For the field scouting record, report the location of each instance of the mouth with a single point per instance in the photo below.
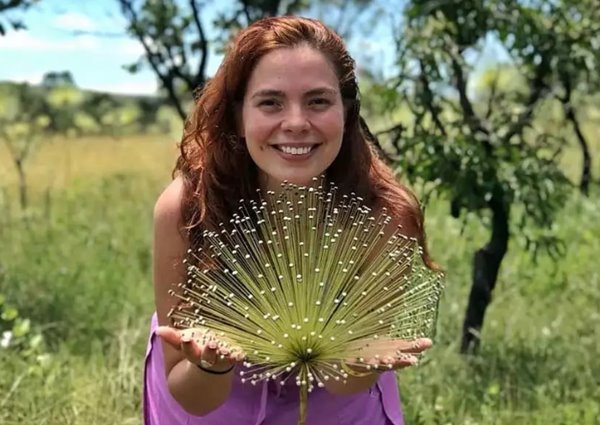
(296, 150)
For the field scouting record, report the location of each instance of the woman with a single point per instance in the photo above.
(282, 106)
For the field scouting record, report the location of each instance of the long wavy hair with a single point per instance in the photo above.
(215, 165)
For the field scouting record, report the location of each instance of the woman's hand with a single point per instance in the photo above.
(387, 354)
(202, 347)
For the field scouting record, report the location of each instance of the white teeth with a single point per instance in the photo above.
(295, 151)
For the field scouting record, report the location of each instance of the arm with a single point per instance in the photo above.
(196, 391)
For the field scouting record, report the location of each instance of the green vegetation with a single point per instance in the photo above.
(80, 172)
(77, 267)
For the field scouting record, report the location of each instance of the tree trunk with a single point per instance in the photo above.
(569, 110)
(22, 184)
(486, 263)
(586, 171)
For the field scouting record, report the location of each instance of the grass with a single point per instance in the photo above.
(78, 266)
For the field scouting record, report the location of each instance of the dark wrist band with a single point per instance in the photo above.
(215, 372)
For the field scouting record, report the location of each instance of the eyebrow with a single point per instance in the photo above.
(279, 93)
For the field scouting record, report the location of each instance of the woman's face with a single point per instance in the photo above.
(292, 116)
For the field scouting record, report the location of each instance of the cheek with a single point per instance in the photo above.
(332, 125)
(257, 130)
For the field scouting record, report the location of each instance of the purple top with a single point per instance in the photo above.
(268, 403)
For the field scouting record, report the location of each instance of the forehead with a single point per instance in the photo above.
(292, 69)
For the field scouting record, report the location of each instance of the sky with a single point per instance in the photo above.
(53, 42)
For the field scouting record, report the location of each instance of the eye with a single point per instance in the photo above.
(269, 104)
(320, 102)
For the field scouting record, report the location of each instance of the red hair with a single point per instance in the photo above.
(215, 166)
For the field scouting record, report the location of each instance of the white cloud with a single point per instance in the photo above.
(23, 40)
(19, 40)
(135, 87)
(130, 47)
(74, 21)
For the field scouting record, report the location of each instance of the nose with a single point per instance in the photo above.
(295, 120)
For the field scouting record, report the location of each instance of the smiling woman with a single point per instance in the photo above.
(293, 115)
(283, 105)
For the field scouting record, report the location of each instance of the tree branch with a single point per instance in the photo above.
(246, 11)
(469, 114)
(569, 111)
(11, 4)
(539, 90)
(154, 58)
(199, 79)
(429, 99)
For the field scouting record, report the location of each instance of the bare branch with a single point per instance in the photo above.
(470, 116)
(154, 58)
(11, 4)
(571, 116)
(199, 77)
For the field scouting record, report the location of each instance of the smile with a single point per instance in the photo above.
(295, 150)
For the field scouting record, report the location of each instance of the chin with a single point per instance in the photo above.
(299, 180)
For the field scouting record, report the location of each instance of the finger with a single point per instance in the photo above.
(224, 351)
(388, 362)
(414, 347)
(372, 363)
(209, 352)
(380, 363)
(236, 355)
(170, 335)
(405, 360)
(190, 349)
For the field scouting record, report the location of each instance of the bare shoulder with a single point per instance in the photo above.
(169, 240)
(168, 205)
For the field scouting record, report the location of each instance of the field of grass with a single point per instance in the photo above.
(77, 266)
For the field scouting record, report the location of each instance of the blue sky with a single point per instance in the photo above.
(50, 44)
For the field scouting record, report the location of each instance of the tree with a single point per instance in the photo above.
(177, 48)
(23, 123)
(115, 116)
(492, 159)
(63, 102)
(8, 5)
(58, 79)
(577, 63)
(175, 45)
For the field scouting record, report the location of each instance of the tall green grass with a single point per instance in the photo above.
(79, 268)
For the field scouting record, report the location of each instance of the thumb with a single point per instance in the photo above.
(170, 335)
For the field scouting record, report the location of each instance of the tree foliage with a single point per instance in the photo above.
(175, 45)
(490, 155)
(5, 7)
(23, 123)
(173, 34)
(58, 79)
